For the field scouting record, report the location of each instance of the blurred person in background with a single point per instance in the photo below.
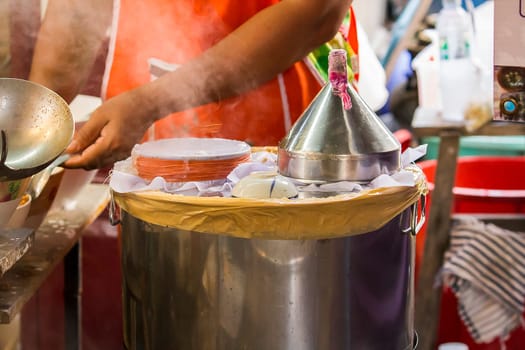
(229, 68)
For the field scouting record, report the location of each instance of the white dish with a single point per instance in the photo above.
(6, 211)
(192, 149)
(73, 182)
(19, 216)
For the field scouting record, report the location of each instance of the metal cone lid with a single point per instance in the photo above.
(332, 143)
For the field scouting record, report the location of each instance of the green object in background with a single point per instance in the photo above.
(480, 145)
(318, 58)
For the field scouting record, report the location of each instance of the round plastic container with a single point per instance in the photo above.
(483, 184)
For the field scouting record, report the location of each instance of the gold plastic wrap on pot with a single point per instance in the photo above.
(312, 218)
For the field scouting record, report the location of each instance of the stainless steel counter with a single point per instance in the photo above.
(57, 239)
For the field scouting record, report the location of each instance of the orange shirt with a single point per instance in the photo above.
(177, 31)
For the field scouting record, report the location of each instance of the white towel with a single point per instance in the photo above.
(485, 268)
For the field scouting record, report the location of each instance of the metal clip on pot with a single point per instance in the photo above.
(415, 224)
(113, 212)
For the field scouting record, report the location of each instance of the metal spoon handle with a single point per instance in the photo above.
(39, 180)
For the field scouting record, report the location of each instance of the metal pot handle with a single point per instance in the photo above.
(114, 212)
(415, 224)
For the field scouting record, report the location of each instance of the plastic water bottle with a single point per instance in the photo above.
(456, 69)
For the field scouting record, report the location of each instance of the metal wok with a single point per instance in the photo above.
(36, 126)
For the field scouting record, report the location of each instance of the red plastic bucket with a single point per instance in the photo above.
(483, 184)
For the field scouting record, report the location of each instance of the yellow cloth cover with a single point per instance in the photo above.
(313, 218)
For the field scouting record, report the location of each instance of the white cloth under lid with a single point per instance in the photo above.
(124, 177)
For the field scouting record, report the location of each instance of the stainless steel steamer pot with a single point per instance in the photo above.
(189, 290)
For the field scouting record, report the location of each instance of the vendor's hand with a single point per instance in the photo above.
(110, 133)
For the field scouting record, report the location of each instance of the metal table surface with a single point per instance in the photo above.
(57, 239)
(430, 124)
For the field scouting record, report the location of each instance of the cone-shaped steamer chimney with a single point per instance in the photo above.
(338, 137)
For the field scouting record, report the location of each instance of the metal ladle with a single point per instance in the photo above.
(7, 173)
(36, 126)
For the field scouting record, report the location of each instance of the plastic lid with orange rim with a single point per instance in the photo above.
(189, 159)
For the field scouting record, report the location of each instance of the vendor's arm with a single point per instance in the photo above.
(69, 39)
(266, 45)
